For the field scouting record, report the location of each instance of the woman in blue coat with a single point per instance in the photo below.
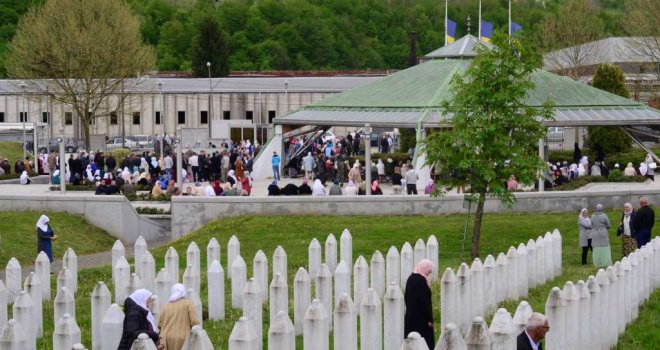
(45, 237)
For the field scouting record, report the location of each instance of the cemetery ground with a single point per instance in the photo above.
(369, 234)
(18, 236)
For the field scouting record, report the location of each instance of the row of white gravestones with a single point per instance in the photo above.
(477, 289)
(592, 314)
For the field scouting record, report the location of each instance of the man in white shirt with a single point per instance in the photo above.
(530, 338)
(194, 164)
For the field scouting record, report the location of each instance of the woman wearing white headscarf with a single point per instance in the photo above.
(176, 318)
(308, 165)
(351, 189)
(354, 174)
(138, 319)
(126, 175)
(231, 178)
(627, 230)
(88, 174)
(25, 178)
(581, 170)
(45, 237)
(643, 169)
(209, 191)
(600, 240)
(584, 229)
(650, 165)
(318, 189)
(380, 168)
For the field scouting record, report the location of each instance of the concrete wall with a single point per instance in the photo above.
(113, 214)
(190, 213)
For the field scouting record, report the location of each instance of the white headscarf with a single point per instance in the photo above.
(318, 189)
(90, 176)
(643, 169)
(24, 177)
(126, 175)
(42, 223)
(140, 297)
(231, 174)
(178, 292)
(154, 162)
(209, 191)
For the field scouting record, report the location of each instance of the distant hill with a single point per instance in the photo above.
(314, 34)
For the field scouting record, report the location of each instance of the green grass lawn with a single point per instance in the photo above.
(369, 234)
(12, 151)
(18, 237)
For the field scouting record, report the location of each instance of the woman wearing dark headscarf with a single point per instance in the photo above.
(304, 189)
(584, 227)
(45, 237)
(273, 190)
(627, 230)
(600, 239)
(419, 308)
(138, 319)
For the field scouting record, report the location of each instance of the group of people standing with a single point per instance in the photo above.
(634, 229)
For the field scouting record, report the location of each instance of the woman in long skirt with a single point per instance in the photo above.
(600, 240)
(627, 230)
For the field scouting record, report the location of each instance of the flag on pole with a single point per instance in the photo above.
(451, 31)
(486, 31)
(515, 27)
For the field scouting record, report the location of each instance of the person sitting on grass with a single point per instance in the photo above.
(25, 178)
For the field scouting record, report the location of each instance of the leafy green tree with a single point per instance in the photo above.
(493, 134)
(85, 50)
(610, 139)
(210, 45)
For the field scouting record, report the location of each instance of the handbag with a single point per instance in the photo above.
(619, 231)
(652, 165)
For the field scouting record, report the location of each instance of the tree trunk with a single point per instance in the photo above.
(476, 233)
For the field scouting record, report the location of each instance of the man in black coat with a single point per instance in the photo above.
(111, 163)
(644, 222)
(530, 338)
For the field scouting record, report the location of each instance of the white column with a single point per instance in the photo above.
(605, 299)
(477, 288)
(13, 279)
(627, 290)
(360, 279)
(620, 290)
(315, 327)
(432, 253)
(301, 298)
(281, 334)
(140, 247)
(238, 279)
(314, 258)
(242, 336)
(393, 267)
(450, 339)
(345, 324)
(260, 272)
(346, 248)
(233, 250)
(342, 280)
(252, 308)
(42, 269)
(463, 300)
(122, 276)
(634, 283)
(541, 272)
(555, 311)
(63, 304)
(490, 273)
(112, 327)
(583, 315)
(280, 263)
(419, 252)
(148, 271)
(24, 314)
(172, 264)
(501, 273)
(371, 321)
(101, 300)
(549, 255)
(212, 252)
(478, 336)
(331, 252)
(279, 296)
(193, 257)
(449, 298)
(393, 317)
(523, 280)
(70, 261)
(66, 333)
(216, 291)
(557, 250)
(13, 336)
(377, 273)
(523, 313)
(531, 264)
(324, 290)
(117, 251)
(501, 330)
(33, 287)
(513, 274)
(407, 261)
(192, 279)
(572, 327)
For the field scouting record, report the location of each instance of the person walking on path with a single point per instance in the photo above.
(419, 308)
(275, 162)
(584, 227)
(176, 318)
(644, 222)
(45, 237)
(600, 223)
(627, 230)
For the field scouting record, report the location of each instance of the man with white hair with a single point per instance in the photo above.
(530, 338)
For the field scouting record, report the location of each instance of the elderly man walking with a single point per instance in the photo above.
(644, 222)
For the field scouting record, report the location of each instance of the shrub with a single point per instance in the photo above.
(15, 176)
(152, 211)
(615, 176)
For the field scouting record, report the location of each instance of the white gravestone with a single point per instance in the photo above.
(432, 253)
(33, 287)
(252, 308)
(490, 271)
(212, 252)
(331, 252)
(242, 336)
(478, 336)
(281, 334)
(280, 263)
(393, 317)
(238, 279)
(302, 296)
(346, 248)
(555, 311)
(414, 341)
(315, 327)
(163, 285)
(501, 331)
(140, 248)
(407, 261)
(63, 304)
(345, 324)
(342, 280)
(449, 297)
(117, 251)
(523, 279)
(371, 321)
(66, 333)
(148, 271)
(112, 327)
(393, 267)
(70, 261)
(572, 326)
(521, 317)
(260, 272)
(197, 339)
(450, 339)
(172, 264)
(377, 273)
(419, 252)
(216, 291)
(42, 269)
(279, 296)
(314, 258)
(193, 257)
(13, 279)
(360, 279)
(324, 290)
(122, 276)
(101, 301)
(24, 314)
(464, 311)
(233, 251)
(477, 288)
(13, 336)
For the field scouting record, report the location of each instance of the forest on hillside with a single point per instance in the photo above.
(324, 34)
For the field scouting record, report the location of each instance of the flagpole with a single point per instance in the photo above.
(446, 31)
(509, 17)
(479, 20)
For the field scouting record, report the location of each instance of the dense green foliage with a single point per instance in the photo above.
(312, 34)
(210, 45)
(610, 138)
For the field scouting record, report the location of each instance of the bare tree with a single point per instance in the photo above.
(80, 52)
(568, 38)
(643, 23)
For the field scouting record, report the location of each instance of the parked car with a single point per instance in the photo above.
(70, 145)
(118, 142)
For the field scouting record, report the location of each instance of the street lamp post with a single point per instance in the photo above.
(23, 118)
(162, 115)
(367, 157)
(179, 163)
(62, 166)
(210, 116)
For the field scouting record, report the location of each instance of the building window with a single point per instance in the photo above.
(44, 117)
(136, 118)
(226, 115)
(68, 118)
(181, 115)
(2, 117)
(22, 117)
(249, 115)
(204, 117)
(271, 116)
(158, 121)
(113, 118)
